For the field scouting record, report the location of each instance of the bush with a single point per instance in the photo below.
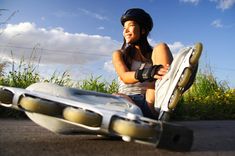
(63, 80)
(21, 75)
(207, 99)
(94, 84)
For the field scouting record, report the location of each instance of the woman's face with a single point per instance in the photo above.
(131, 31)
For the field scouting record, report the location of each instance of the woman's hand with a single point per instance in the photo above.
(161, 72)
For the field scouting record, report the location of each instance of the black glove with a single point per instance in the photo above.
(147, 73)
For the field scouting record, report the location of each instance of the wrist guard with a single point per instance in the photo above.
(146, 73)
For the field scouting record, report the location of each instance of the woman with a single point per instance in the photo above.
(137, 64)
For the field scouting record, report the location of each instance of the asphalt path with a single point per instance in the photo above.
(23, 137)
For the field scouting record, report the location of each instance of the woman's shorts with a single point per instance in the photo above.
(141, 102)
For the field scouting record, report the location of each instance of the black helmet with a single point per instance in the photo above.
(140, 16)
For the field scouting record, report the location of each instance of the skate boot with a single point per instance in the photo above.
(62, 109)
(180, 77)
(72, 111)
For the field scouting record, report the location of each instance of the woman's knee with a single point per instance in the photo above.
(162, 54)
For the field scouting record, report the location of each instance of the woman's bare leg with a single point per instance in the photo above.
(161, 56)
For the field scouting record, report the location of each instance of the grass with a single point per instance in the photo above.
(207, 99)
(94, 84)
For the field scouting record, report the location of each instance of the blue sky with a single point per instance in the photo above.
(80, 35)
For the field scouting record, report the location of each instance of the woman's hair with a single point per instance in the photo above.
(129, 51)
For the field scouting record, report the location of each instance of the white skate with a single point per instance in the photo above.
(180, 77)
(68, 110)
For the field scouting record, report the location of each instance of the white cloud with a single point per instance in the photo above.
(175, 47)
(108, 66)
(220, 4)
(60, 50)
(194, 2)
(93, 14)
(224, 4)
(54, 45)
(61, 14)
(217, 23)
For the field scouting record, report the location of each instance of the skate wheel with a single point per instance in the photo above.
(133, 129)
(81, 116)
(174, 99)
(196, 54)
(185, 77)
(6, 96)
(40, 106)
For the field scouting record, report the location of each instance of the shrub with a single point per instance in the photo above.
(94, 84)
(21, 75)
(63, 80)
(206, 99)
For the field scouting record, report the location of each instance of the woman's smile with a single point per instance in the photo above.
(131, 31)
